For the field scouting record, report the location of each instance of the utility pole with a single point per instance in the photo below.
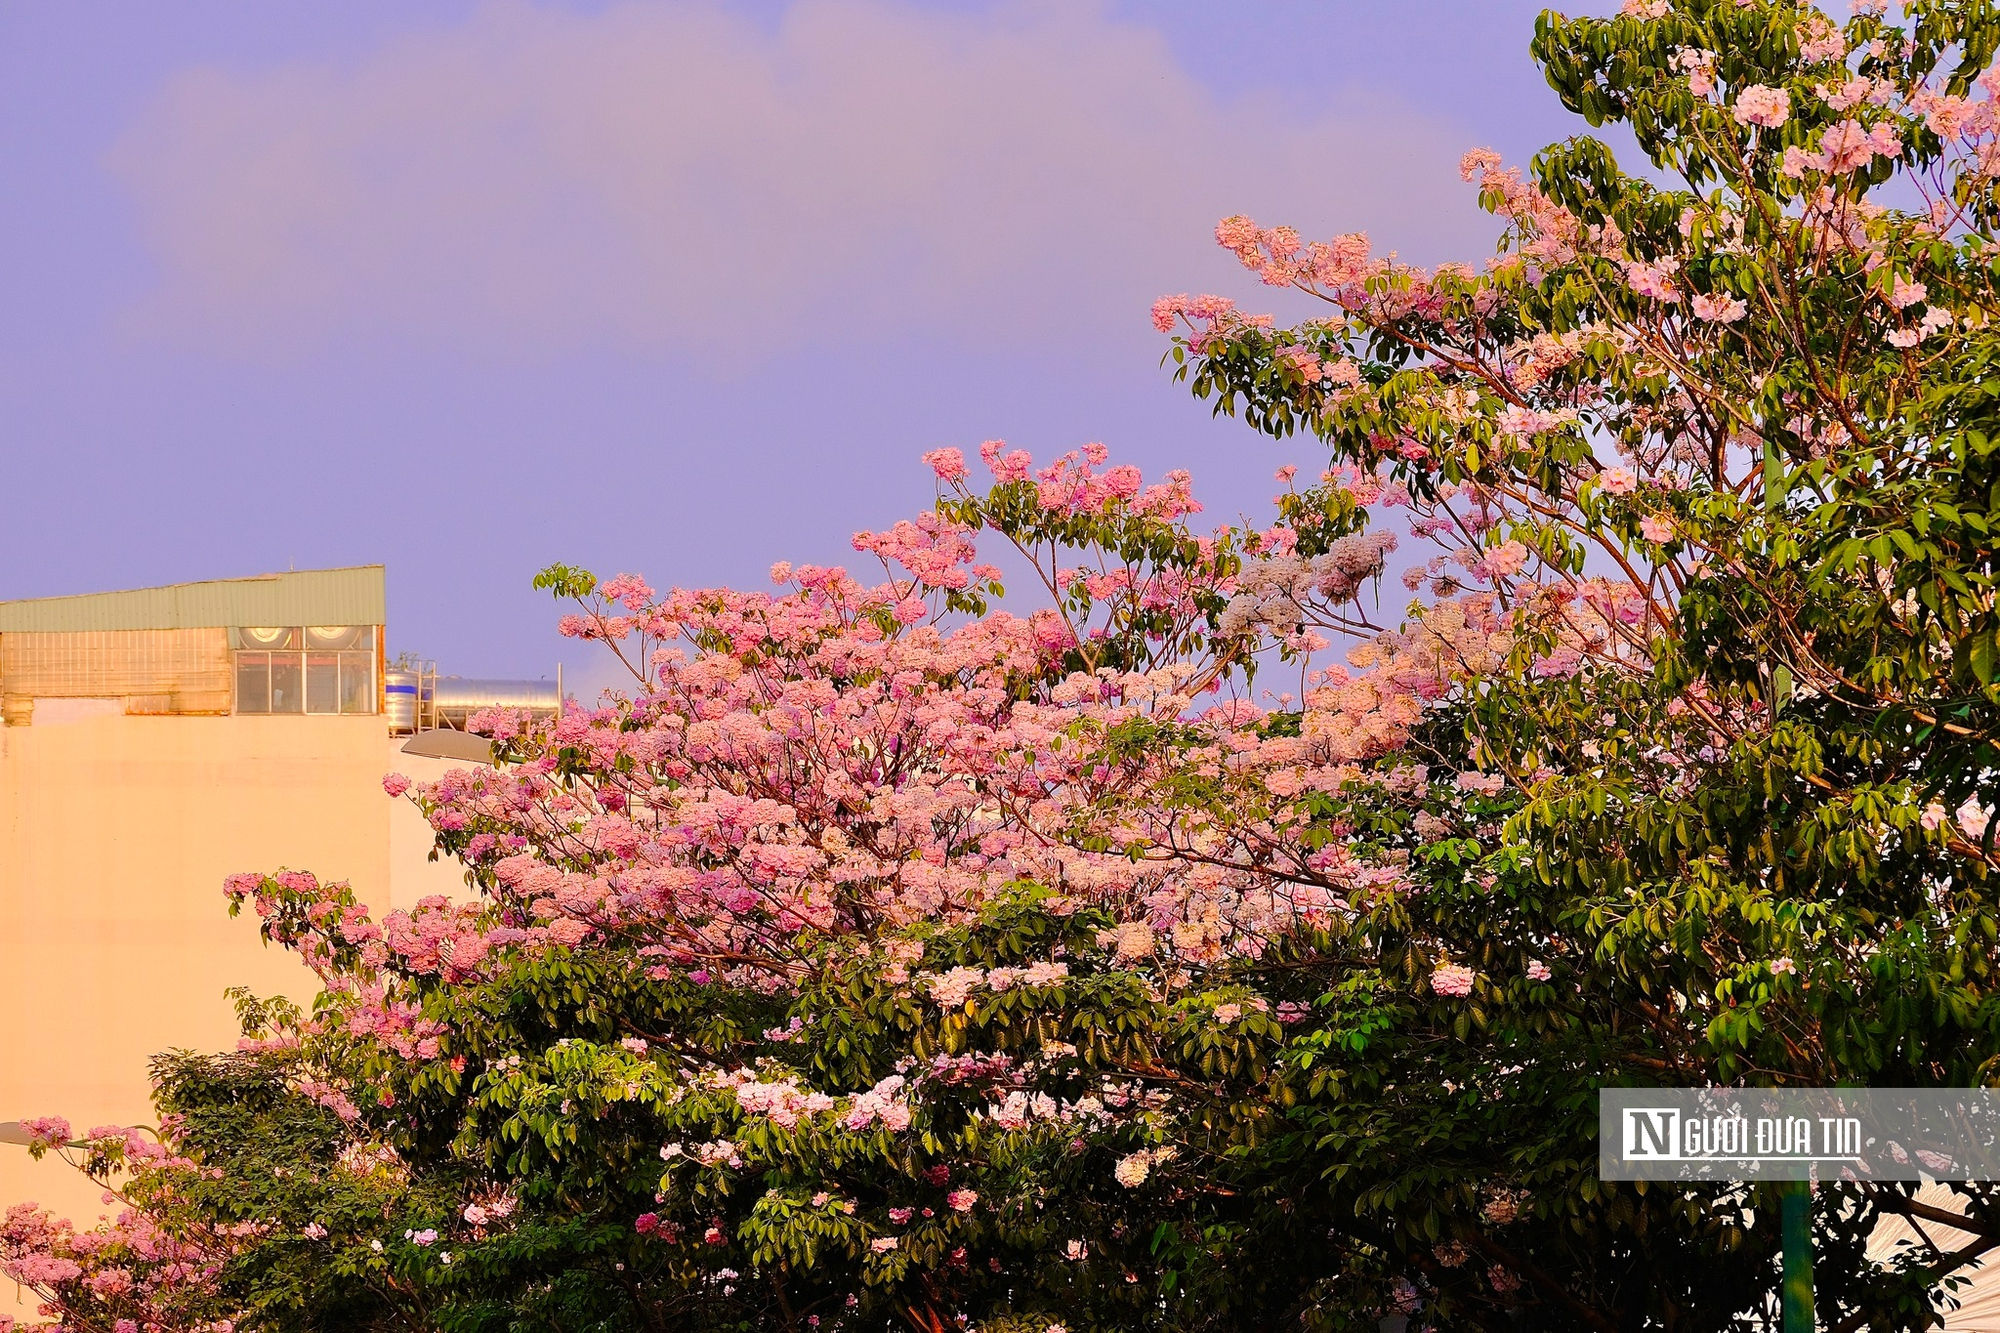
(1795, 1231)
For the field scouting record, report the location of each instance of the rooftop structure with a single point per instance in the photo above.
(304, 642)
(353, 596)
(157, 741)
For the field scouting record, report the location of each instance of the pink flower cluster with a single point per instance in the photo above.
(1453, 981)
(803, 770)
(1763, 106)
(882, 1105)
(784, 1104)
(128, 1272)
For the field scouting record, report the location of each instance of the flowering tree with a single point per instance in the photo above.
(835, 972)
(833, 967)
(888, 955)
(193, 1245)
(1720, 439)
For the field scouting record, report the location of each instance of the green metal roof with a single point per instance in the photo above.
(355, 596)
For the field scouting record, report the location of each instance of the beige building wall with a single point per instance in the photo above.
(412, 875)
(116, 832)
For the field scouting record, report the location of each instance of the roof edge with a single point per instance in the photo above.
(194, 583)
(346, 595)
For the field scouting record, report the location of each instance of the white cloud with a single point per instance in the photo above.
(672, 175)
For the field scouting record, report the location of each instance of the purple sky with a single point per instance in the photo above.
(679, 288)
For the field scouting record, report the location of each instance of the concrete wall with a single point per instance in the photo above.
(411, 874)
(115, 940)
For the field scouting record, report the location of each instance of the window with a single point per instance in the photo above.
(357, 683)
(305, 669)
(322, 682)
(287, 693)
(253, 682)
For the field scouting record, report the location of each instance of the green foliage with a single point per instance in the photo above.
(561, 580)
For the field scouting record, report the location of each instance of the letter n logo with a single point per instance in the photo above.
(1650, 1132)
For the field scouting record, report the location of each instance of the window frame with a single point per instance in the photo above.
(354, 672)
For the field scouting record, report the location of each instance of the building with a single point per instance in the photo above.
(155, 741)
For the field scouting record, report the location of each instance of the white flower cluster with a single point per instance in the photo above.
(1131, 1172)
(1274, 592)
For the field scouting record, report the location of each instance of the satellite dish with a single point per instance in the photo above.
(445, 743)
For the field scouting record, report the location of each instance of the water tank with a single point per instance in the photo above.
(401, 687)
(454, 699)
